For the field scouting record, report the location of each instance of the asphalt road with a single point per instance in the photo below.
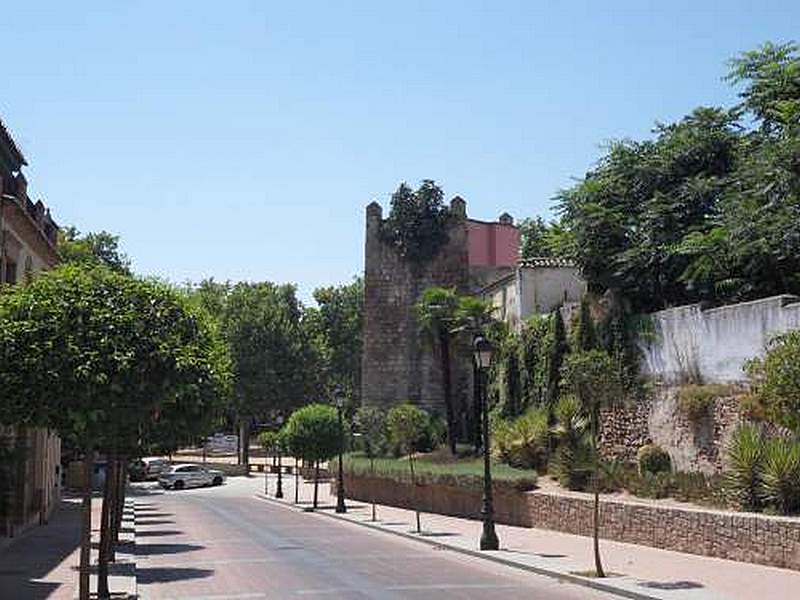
(214, 543)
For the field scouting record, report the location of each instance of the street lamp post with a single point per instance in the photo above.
(339, 398)
(279, 488)
(483, 356)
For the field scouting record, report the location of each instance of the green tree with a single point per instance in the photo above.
(775, 380)
(584, 332)
(370, 422)
(541, 239)
(96, 355)
(274, 365)
(706, 210)
(436, 312)
(92, 249)
(417, 222)
(406, 425)
(313, 434)
(336, 327)
(593, 378)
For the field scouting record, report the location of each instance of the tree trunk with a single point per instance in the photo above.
(244, 437)
(372, 474)
(598, 565)
(86, 526)
(109, 491)
(316, 481)
(414, 487)
(119, 506)
(296, 481)
(444, 345)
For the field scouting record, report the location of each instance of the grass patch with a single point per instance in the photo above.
(593, 574)
(441, 468)
(695, 401)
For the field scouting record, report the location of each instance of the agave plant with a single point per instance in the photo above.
(781, 474)
(745, 463)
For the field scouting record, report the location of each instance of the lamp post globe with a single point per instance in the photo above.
(482, 350)
(339, 398)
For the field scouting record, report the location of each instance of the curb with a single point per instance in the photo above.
(558, 575)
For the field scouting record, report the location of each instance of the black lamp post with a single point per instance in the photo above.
(339, 398)
(482, 349)
(279, 488)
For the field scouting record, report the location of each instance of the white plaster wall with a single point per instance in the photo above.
(713, 345)
(543, 289)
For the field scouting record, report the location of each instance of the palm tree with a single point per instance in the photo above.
(436, 311)
(475, 316)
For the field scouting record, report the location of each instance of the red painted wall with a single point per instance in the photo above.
(492, 244)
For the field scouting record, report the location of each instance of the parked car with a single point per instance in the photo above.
(147, 469)
(186, 476)
(220, 442)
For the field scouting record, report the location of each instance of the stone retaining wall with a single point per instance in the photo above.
(693, 444)
(746, 537)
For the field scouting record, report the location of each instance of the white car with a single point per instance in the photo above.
(179, 477)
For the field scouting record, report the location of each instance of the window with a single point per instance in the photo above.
(11, 272)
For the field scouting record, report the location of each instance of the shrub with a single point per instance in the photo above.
(696, 401)
(781, 474)
(745, 454)
(523, 442)
(653, 459)
(776, 380)
(434, 434)
(370, 423)
(407, 426)
(571, 464)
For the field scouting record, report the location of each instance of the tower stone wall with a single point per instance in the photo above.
(398, 364)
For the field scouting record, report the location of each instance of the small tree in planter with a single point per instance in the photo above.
(594, 378)
(406, 424)
(313, 433)
(371, 424)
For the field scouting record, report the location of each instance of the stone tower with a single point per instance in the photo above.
(398, 365)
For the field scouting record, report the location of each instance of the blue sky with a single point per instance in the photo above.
(242, 140)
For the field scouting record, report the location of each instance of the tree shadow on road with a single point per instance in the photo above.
(671, 585)
(155, 549)
(158, 533)
(147, 575)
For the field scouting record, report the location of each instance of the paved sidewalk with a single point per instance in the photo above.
(43, 562)
(640, 571)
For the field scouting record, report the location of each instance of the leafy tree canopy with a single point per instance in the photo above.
(406, 424)
(92, 249)
(313, 433)
(707, 210)
(539, 239)
(417, 222)
(776, 380)
(104, 358)
(335, 326)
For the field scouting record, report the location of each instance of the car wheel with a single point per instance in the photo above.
(178, 485)
(217, 480)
